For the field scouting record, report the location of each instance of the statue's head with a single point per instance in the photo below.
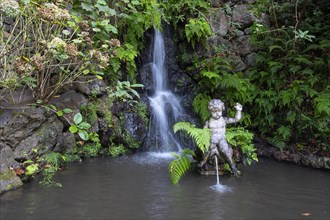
(216, 105)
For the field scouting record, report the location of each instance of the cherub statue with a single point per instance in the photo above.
(217, 125)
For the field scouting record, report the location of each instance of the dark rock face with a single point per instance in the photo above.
(243, 16)
(242, 45)
(72, 100)
(135, 126)
(28, 131)
(301, 158)
(219, 22)
(90, 85)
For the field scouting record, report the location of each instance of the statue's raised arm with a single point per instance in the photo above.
(238, 115)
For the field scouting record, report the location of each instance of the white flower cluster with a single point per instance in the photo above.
(9, 7)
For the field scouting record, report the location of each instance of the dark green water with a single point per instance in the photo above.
(138, 187)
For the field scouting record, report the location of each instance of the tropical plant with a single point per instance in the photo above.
(291, 74)
(79, 126)
(201, 136)
(198, 30)
(180, 165)
(124, 90)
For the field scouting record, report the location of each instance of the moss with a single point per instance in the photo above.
(117, 150)
(142, 111)
(9, 180)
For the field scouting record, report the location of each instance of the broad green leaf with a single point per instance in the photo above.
(73, 129)
(67, 110)
(84, 125)
(87, 7)
(59, 113)
(83, 135)
(77, 118)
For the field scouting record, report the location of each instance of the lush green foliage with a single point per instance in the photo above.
(242, 139)
(217, 79)
(286, 94)
(124, 90)
(197, 30)
(117, 150)
(180, 165)
(200, 136)
(191, 15)
(292, 100)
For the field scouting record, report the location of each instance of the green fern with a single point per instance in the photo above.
(180, 165)
(243, 139)
(200, 104)
(201, 136)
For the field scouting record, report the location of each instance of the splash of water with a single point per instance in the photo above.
(166, 107)
(219, 187)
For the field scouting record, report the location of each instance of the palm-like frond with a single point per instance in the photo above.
(180, 165)
(200, 104)
(201, 136)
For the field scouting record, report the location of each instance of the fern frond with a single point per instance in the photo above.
(210, 75)
(180, 165)
(200, 104)
(243, 139)
(322, 104)
(201, 136)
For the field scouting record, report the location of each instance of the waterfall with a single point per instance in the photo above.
(165, 106)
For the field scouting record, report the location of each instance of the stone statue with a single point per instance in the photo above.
(217, 125)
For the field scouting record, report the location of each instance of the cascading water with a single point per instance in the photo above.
(166, 107)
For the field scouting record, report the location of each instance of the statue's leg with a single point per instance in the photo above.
(207, 155)
(227, 151)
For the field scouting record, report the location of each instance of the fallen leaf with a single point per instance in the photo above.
(306, 214)
(19, 171)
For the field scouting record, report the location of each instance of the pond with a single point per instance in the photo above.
(138, 187)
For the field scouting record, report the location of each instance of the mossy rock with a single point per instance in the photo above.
(8, 179)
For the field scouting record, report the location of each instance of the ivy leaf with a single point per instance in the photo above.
(59, 113)
(73, 129)
(77, 118)
(87, 7)
(84, 125)
(83, 135)
(67, 110)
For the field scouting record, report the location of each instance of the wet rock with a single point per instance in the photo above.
(238, 63)
(217, 3)
(242, 45)
(250, 59)
(264, 20)
(7, 156)
(90, 85)
(136, 127)
(326, 162)
(146, 78)
(16, 125)
(19, 96)
(243, 16)
(295, 158)
(71, 100)
(219, 22)
(8, 179)
(42, 140)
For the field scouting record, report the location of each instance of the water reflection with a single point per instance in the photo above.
(138, 187)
